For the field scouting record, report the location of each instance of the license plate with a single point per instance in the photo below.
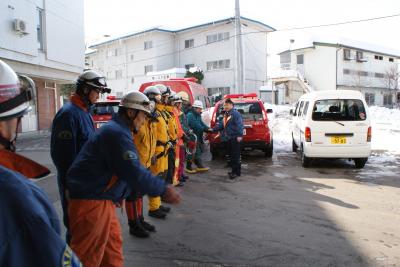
(244, 131)
(338, 140)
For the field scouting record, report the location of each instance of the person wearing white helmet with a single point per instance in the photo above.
(198, 127)
(105, 172)
(29, 225)
(145, 142)
(71, 128)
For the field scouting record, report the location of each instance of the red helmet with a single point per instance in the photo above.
(15, 93)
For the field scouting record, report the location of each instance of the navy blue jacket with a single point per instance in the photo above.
(72, 127)
(110, 151)
(196, 124)
(233, 127)
(29, 226)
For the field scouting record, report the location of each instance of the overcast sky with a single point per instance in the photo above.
(119, 17)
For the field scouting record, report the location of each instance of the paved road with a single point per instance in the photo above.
(276, 214)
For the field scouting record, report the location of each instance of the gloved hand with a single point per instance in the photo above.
(210, 130)
(171, 196)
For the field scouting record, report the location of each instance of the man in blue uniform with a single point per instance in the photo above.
(104, 173)
(231, 128)
(29, 226)
(72, 127)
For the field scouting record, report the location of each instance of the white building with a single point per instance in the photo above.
(344, 64)
(127, 60)
(43, 39)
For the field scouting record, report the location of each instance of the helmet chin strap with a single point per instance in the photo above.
(10, 144)
(132, 124)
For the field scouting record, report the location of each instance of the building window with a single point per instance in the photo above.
(370, 98)
(391, 59)
(300, 59)
(132, 57)
(359, 56)
(222, 36)
(363, 73)
(188, 66)
(387, 99)
(346, 71)
(189, 43)
(148, 68)
(39, 29)
(346, 54)
(218, 90)
(378, 57)
(148, 45)
(132, 80)
(379, 75)
(118, 74)
(218, 64)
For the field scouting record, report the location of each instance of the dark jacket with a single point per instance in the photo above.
(231, 126)
(109, 153)
(197, 125)
(29, 225)
(72, 127)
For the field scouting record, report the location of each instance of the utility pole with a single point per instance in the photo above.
(239, 75)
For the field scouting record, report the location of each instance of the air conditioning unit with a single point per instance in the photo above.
(20, 26)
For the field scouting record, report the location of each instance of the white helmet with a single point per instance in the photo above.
(136, 100)
(163, 89)
(151, 90)
(183, 95)
(94, 80)
(198, 104)
(15, 93)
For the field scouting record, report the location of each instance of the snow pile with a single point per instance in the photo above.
(385, 129)
(280, 122)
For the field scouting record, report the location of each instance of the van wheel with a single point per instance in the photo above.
(305, 161)
(294, 146)
(270, 150)
(360, 162)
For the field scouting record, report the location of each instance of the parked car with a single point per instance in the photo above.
(103, 111)
(332, 124)
(256, 133)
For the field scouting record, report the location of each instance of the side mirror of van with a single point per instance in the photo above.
(269, 110)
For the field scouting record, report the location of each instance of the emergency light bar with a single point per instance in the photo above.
(111, 97)
(251, 95)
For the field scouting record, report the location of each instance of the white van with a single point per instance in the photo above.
(332, 124)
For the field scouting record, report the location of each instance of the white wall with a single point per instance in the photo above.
(63, 55)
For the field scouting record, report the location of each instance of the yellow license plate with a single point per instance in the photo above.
(338, 140)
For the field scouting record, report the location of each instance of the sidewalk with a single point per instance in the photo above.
(34, 141)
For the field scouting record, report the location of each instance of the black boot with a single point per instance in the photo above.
(147, 226)
(158, 213)
(165, 209)
(189, 168)
(137, 229)
(200, 166)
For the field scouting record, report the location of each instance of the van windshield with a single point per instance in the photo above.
(249, 110)
(339, 110)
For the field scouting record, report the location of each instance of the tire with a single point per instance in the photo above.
(269, 151)
(294, 146)
(305, 161)
(360, 162)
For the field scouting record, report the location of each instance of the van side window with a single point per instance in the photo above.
(300, 109)
(305, 109)
(295, 109)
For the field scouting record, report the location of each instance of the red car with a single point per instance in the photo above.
(104, 110)
(256, 133)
